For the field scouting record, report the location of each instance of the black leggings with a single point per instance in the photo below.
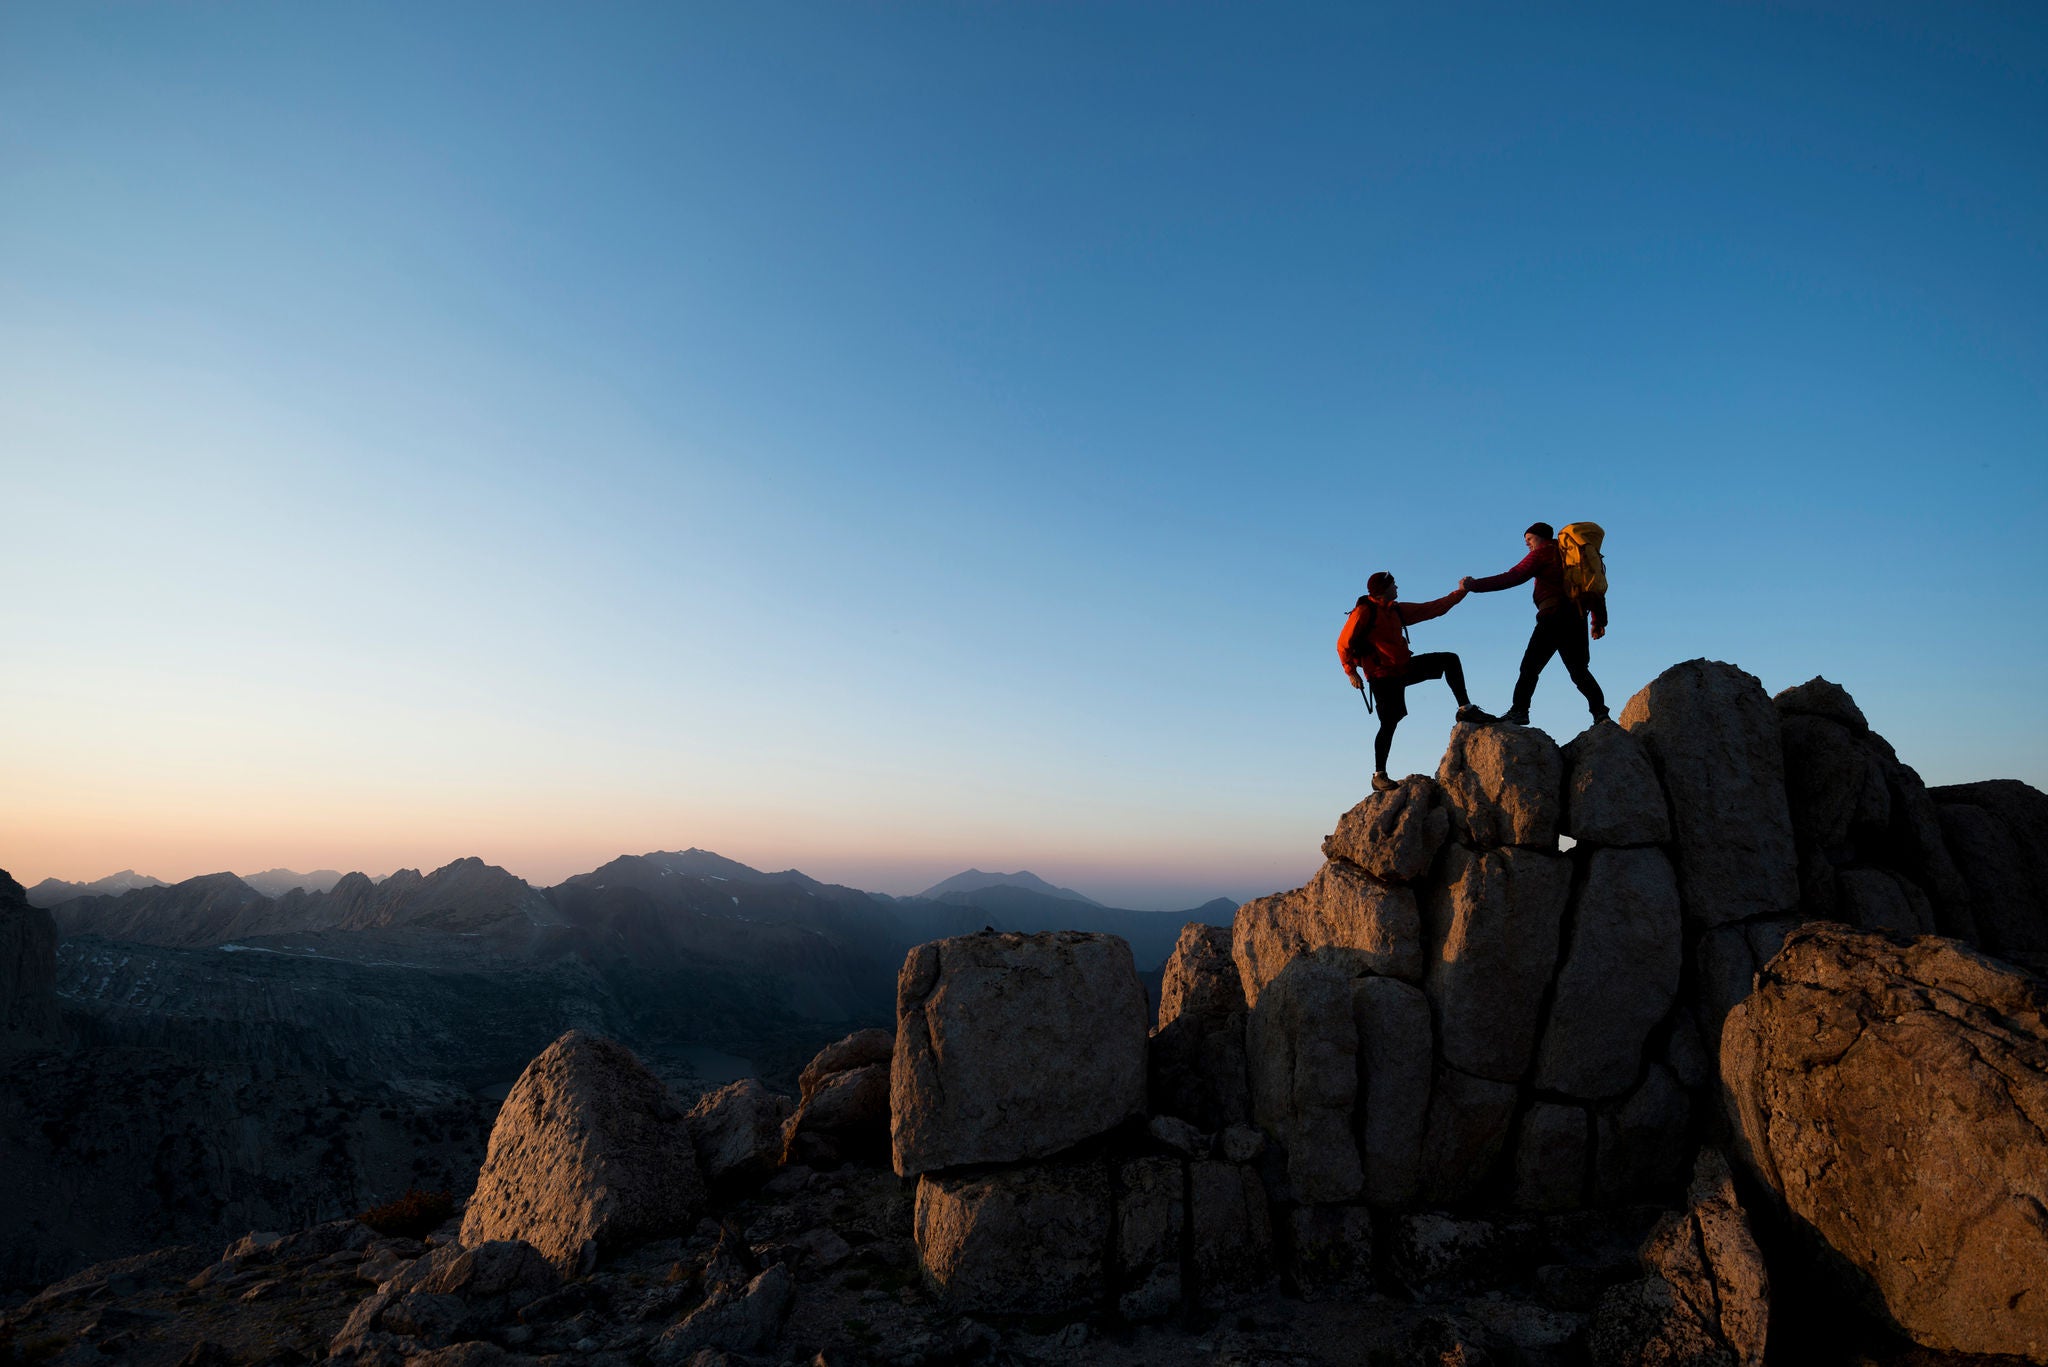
(1564, 634)
(1390, 694)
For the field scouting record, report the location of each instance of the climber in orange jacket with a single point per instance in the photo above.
(1375, 642)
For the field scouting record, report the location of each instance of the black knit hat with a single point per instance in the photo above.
(1541, 529)
(1380, 582)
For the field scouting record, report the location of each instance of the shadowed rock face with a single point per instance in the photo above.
(1620, 974)
(28, 970)
(1303, 1048)
(590, 1150)
(111, 1150)
(1493, 931)
(1707, 1297)
(843, 1103)
(1011, 1047)
(1871, 850)
(1998, 833)
(1196, 1061)
(1028, 1240)
(1395, 1040)
(737, 1131)
(1895, 1099)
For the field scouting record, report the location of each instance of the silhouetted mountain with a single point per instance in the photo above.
(51, 891)
(835, 949)
(974, 880)
(278, 882)
(199, 911)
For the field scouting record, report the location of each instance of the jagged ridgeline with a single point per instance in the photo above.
(1566, 1054)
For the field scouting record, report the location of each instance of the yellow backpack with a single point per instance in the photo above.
(1584, 571)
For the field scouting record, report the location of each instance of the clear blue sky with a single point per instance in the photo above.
(887, 438)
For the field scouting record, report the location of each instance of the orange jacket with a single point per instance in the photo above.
(1374, 640)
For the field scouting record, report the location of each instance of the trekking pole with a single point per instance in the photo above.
(1366, 693)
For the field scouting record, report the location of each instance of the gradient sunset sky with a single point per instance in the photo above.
(883, 439)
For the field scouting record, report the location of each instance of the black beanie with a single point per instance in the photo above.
(1541, 529)
(1380, 581)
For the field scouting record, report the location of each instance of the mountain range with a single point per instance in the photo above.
(456, 977)
(375, 1023)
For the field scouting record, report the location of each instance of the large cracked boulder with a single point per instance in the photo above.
(1394, 836)
(1029, 1240)
(1197, 1060)
(1493, 923)
(1619, 978)
(1011, 1047)
(1707, 1297)
(1894, 1098)
(1611, 793)
(1303, 1047)
(1714, 737)
(1997, 831)
(590, 1150)
(1502, 785)
(1340, 917)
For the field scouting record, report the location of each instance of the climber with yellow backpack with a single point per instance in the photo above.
(1571, 587)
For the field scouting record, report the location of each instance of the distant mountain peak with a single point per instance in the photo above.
(974, 880)
(277, 882)
(51, 891)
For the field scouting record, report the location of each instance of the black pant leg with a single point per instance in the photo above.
(1577, 651)
(1440, 664)
(1542, 645)
(1390, 695)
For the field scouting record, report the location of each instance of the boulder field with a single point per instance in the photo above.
(1565, 1055)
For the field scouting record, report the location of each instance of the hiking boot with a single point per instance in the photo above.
(1515, 716)
(1476, 715)
(1382, 784)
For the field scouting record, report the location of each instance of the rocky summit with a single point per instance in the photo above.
(1712, 1036)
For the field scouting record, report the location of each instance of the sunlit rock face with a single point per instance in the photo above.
(1014, 1046)
(590, 1151)
(1891, 1096)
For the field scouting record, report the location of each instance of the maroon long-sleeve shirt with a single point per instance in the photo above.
(1545, 565)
